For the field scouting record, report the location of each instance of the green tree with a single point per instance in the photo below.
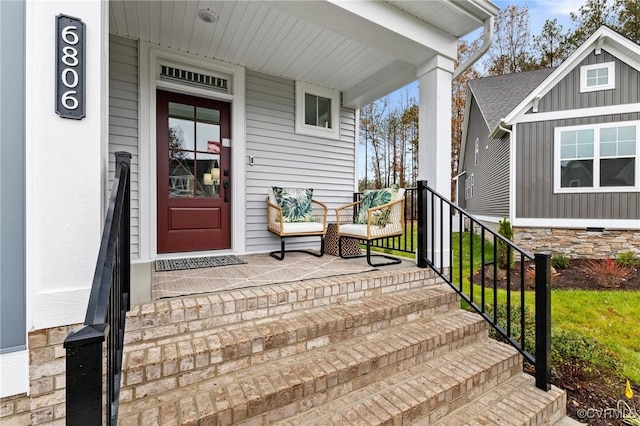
(551, 44)
(591, 16)
(628, 12)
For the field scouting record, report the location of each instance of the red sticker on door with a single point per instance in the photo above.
(213, 147)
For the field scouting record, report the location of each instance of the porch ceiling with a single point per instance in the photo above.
(365, 49)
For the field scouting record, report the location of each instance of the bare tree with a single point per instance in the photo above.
(551, 44)
(509, 52)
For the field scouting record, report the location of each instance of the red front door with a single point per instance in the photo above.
(193, 173)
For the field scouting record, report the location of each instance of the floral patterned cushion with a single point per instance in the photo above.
(376, 198)
(295, 203)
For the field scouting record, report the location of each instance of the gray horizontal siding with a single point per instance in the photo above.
(491, 175)
(534, 178)
(566, 94)
(284, 158)
(123, 120)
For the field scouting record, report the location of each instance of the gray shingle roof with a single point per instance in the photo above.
(498, 95)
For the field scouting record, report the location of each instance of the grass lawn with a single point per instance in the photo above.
(609, 317)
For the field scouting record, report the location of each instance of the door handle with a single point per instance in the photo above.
(225, 184)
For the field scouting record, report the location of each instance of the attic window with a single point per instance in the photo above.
(317, 111)
(597, 77)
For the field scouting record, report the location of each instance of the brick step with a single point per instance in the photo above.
(425, 392)
(287, 385)
(515, 402)
(169, 317)
(227, 348)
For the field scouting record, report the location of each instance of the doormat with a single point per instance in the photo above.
(163, 265)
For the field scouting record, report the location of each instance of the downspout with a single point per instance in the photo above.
(486, 43)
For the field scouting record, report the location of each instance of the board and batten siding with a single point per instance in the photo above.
(566, 94)
(534, 177)
(123, 120)
(491, 175)
(284, 158)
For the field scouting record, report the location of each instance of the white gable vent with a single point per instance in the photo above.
(194, 78)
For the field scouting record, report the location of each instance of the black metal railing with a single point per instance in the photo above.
(407, 242)
(103, 332)
(442, 226)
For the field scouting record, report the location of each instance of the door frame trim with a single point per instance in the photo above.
(149, 58)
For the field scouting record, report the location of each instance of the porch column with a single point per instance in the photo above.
(66, 159)
(434, 148)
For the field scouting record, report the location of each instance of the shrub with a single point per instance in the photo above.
(560, 261)
(503, 250)
(576, 357)
(628, 259)
(608, 273)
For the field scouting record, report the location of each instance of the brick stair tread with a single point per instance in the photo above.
(516, 402)
(202, 311)
(278, 335)
(316, 373)
(425, 391)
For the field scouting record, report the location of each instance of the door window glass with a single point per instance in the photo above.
(194, 151)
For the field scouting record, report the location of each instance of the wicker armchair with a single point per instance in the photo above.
(375, 228)
(277, 225)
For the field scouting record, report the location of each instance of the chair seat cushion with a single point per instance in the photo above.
(353, 229)
(300, 227)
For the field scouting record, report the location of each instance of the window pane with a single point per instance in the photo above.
(591, 78)
(181, 111)
(608, 149)
(617, 172)
(585, 136)
(627, 133)
(627, 148)
(585, 151)
(208, 115)
(603, 76)
(208, 175)
(576, 174)
(324, 113)
(310, 110)
(609, 135)
(181, 134)
(208, 137)
(181, 169)
(567, 152)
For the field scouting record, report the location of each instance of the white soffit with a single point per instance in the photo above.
(337, 44)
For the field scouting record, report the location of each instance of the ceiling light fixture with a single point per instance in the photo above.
(207, 15)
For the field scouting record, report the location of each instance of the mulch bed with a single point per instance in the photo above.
(577, 275)
(587, 395)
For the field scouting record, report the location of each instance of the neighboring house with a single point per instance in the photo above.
(556, 151)
(272, 90)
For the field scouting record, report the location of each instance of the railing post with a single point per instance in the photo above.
(422, 224)
(543, 320)
(84, 402)
(123, 159)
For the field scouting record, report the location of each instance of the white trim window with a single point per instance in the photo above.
(476, 158)
(317, 111)
(597, 158)
(468, 187)
(598, 77)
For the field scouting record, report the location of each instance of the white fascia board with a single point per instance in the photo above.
(615, 41)
(630, 224)
(393, 77)
(580, 113)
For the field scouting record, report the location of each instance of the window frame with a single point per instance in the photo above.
(596, 188)
(302, 89)
(476, 158)
(611, 72)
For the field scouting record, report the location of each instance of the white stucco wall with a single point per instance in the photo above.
(65, 164)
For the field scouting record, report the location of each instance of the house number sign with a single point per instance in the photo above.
(70, 65)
